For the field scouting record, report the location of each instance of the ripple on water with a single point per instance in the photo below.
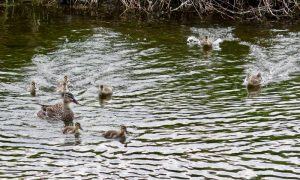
(188, 116)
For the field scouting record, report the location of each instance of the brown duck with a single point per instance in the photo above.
(105, 91)
(63, 85)
(66, 80)
(32, 88)
(206, 43)
(72, 129)
(59, 111)
(112, 134)
(62, 88)
(253, 80)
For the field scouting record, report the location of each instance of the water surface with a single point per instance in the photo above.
(187, 111)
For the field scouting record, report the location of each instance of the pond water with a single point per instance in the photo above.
(188, 114)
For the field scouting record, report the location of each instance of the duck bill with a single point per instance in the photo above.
(75, 101)
(80, 128)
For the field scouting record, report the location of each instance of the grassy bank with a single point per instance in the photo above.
(245, 10)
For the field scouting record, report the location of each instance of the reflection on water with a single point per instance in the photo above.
(253, 91)
(188, 114)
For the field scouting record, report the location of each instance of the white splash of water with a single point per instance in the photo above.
(218, 35)
(278, 62)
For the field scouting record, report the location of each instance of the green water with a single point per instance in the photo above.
(188, 114)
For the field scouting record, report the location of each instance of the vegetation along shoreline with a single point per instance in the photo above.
(247, 10)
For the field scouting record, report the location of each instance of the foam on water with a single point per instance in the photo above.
(278, 62)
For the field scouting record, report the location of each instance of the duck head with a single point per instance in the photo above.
(124, 129)
(69, 97)
(258, 75)
(65, 78)
(77, 125)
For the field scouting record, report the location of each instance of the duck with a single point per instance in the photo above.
(206, 43)
(112, 134)
(105, 91)
(59, 111)
(66, 79)
(72, 129)
(253, 80)
(32, 88)
(62, 88)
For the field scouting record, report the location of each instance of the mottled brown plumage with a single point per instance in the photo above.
(72, 129)
(112, 134)
(59, 111)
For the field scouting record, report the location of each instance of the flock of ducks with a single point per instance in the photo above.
(62, 110)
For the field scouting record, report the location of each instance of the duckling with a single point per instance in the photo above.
(253, 80)
(66, 79)
(32, 88)
(105, 91)
(72, 129)
(59, 111)
(112, 134)
(206, 43)
(62, 88)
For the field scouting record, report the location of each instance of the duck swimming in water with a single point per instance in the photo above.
(59, 111)
(206, 43)
(63, 85)
(32, 88)
(253, 80)
(66, 80)
(63, 88)
(72, 129)
(112, 134)
(105, 91)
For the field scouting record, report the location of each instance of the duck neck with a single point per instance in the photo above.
(122, 133)
(66, 105)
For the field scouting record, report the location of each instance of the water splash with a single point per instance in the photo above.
(218, 35)
(273, 62)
